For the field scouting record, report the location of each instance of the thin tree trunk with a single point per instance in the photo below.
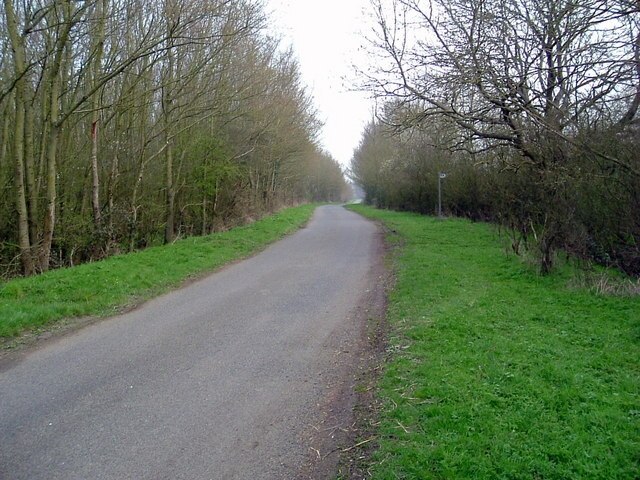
(95, 183)
(203, 230)
(215, 203)
(167, 116)
(20, 68)
(42, 160)
(30, 167)
(146, 91)
(5, 132)
(97, 50)
(54, 136)
(113, 182)
(50, 211)
(169, 232)
(21, 200)
(133, 227)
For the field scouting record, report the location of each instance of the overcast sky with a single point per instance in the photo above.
(327, 37)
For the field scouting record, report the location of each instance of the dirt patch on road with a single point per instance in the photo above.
(343, 438)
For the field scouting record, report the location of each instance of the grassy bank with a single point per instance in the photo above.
(495, 372)
(103, 288)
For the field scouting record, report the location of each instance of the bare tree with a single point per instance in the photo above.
(523, 73)
(546, 80)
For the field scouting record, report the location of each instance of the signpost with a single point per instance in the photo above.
(441, 176)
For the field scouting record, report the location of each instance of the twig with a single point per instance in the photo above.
(317, 453)
(358, 444)
(402, 427)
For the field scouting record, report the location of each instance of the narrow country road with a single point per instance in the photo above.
(227, 378)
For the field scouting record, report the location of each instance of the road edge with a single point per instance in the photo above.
(343, 441)
(363, 440)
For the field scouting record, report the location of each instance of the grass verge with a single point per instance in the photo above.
(495, 372)
(106, 287)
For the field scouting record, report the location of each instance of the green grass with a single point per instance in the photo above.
(105, 287)
(498, 373)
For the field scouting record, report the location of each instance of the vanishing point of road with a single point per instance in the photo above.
(230, 377)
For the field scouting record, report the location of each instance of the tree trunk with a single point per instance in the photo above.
(54, 135)
(97, 50)
(5, 133)
(95, 183)
(21, 201)
(203, 230)
(168, 119)
(113, 182)
(30, 167)
(20, 69)
(169, 231)
(133, 227)
(50, 211)
(214, 209)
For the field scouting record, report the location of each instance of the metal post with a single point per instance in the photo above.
(439, 196)
(441, 176)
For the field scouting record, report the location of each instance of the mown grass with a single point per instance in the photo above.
(496, 372)
(105, 287)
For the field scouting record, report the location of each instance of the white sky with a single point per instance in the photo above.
(327, 36)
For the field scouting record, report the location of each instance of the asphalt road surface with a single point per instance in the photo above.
(225, 378)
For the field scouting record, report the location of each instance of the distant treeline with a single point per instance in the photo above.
(127, 123)
(529, 107)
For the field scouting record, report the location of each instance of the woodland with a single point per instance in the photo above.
(530, 109)
(130, 123)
